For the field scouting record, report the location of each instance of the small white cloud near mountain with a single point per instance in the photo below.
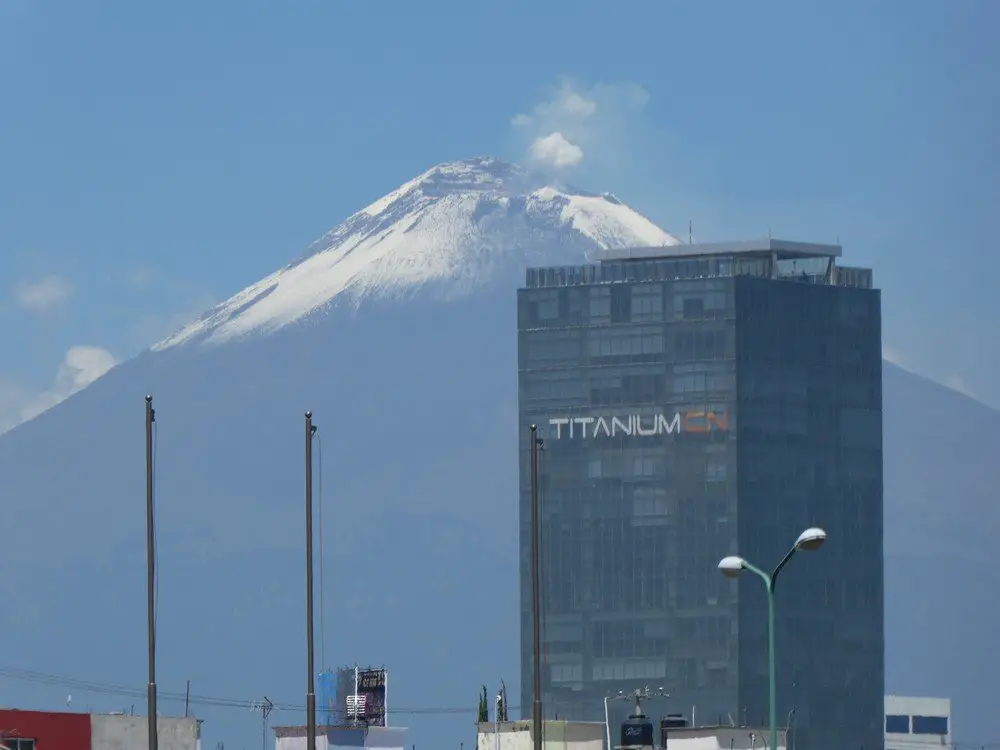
(81, 366)
(554, 150)
(43, 295)
(574, 121)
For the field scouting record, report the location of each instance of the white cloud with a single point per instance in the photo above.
(574, 120)
(81, 366)
(566, 102)
(574, 104)
(960, 384)
(43, 295)
(893, 355)
(555, 151)
(954, 381)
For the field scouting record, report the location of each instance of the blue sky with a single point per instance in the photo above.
(157, 158)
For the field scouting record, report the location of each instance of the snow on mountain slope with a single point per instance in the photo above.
(458, 222)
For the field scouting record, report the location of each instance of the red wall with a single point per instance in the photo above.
(50, 731)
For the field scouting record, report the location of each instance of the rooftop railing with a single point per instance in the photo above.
(808, 270)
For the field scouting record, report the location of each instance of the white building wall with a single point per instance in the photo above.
(557, 735)
(298, 743)
(910, 706)
(564, 735)
(383, 738)
(117, 732)
(721, 738)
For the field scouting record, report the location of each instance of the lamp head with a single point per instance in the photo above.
(810, 539)
(732, 566)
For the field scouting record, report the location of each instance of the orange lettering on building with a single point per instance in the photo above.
(705, 421)
(691, 416)
(721, 420)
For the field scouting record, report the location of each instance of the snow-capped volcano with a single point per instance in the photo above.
(457, 223)
(416, 465)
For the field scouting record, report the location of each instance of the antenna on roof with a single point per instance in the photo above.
(689, 231)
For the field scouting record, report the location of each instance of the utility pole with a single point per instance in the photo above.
(150, 574)
(536, 704)
(187, 697)
(265, 711)
(310, 682)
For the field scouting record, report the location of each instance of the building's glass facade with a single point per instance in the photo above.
(693, 408)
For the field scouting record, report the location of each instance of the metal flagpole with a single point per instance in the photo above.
(536, 706)
(150, 575)
(310, 679)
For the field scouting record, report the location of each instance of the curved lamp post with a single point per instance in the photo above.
(732, 567)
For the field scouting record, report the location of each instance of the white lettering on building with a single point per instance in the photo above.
(637, 424)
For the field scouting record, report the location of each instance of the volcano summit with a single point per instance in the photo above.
(453, 226)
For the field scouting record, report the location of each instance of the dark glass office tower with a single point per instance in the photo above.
(695, 402)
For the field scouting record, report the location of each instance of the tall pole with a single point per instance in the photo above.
(310, 682)
(772, 679)
(265, 711)
(150, 575)
(607, 723)
(771, 672)
(732, 566)
(536, 704)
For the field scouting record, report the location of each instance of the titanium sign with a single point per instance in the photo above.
(584, 428)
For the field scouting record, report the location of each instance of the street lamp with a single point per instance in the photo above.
(733, 566)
